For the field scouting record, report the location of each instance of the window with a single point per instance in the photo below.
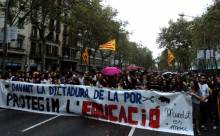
(17, 44)
(33, 49)
(51, 25)
(58, 27)
(64, 40)
(48, 50)
(38, 49)
(73, 54)
(20, 23)
(51, 50)
(65, 53)
(50, 36)
(34, 31)
(67, 40)
(57, 38)
(54, 50)
(20, 43)
(65, 32)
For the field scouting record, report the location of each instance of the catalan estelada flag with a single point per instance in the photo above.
(85, 56)
(170, 57)
(111, 45)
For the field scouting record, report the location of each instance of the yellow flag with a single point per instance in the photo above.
(85, 56)
(170, 57)
(111, 45)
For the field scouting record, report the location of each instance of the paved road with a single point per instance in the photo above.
(19, 123)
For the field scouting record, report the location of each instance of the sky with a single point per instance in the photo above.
(147, 17)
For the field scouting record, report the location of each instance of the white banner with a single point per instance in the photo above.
(165, 112)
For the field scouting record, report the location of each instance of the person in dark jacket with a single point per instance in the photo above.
(215, 93)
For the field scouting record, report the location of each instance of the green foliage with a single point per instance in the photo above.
(139, 55)
(178, 38)
(93, 24)
(177, 35)
(162, 60)
(206, 32)
(207, 28)
(184, 38)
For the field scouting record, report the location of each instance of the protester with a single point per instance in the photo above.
(164, 86)
(196, 99)
(215, 93)
(205, 90)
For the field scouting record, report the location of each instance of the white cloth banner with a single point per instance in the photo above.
(165, 112)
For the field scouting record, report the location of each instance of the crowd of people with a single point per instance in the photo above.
(204, 88)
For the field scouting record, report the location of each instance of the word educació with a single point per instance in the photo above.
(125, 115)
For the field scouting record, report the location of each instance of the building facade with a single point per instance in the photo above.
(30, 52)
(207, 59)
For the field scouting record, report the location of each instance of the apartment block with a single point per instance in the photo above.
(55, 52)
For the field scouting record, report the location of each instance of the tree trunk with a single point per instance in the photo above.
(43, 67)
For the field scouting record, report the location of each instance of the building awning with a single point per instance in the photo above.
(13, 65)
(33, 65)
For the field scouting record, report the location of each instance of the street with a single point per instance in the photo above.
(19, 123)
(105, 67)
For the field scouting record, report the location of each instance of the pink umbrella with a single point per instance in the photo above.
(132, 68)
(141, 68)
(110, 71)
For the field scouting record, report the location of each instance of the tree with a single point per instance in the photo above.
(84, 19)
(139, 55)
(89, 23)
(44, 18)
(206, 32)
(162, 60)
(178, 38)
(19, 11)
(122, 47)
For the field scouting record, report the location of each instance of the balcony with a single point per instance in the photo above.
(14, 48)
(16, 51)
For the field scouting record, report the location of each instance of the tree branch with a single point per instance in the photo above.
(18, 13)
